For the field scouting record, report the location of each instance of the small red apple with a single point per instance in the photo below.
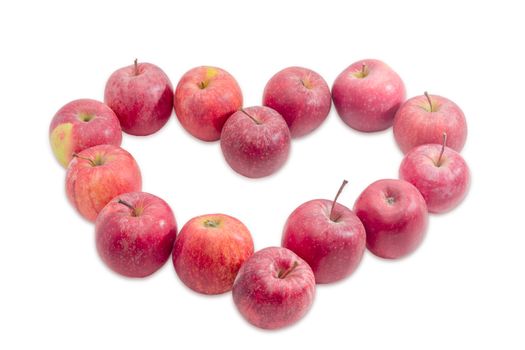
(141, 96)
(274, 288)
(205, 98)
(81, 124)
(395, 217)
(328, 236)
(209, 251)
(135, 233)
(423, 119)
(439, 173)
(367, 95)
(255, 141)
(301, 96)
(97, 175)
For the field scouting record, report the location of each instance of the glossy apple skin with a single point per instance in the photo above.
(135, 242)
(332, 248)
(443, 186)
(394, 228)
(416, 125)
(270, 302)
(81, 124)
(207, 256)
(205, 98)
(142, 98)
(256, 150)
(301, 96)
(368, 103)
(89, 188)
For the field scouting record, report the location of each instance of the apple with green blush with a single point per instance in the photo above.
(81, 124)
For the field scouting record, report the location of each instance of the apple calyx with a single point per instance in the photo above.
(85, 117)
(335, 201)
(443, 145)
(283, 273)
(203, 84)
(211, 223)
(255, 120)
(91, 161)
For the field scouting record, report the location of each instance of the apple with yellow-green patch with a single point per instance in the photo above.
(205, 98)
(81, 124)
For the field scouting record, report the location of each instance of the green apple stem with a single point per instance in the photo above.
(429, 101)
(335, 200)
(283, 273)
(76, 155)
(251, 117)
(136, 66)
(442, 149)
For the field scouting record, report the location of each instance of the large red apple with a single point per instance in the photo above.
(274, 288)
(205, 98)
(423, 119)
(301, 96)
(439, 173)
(367, 95)
(328, 236)
(209, 251)
(81, 124)
(395, 217)
(141, 96)
(135, 233)
(97, 175)
(255, 141)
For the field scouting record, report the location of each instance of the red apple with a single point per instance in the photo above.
(142, 97)
(204, 98)
(301, 96)
(423, 119)
(135, 234)
(81, 124)
(395, 217)
(255, 141)
(328, 236)
(97, 175)
(274, 288)
(209, 251)
(439, 173)
(367, 95)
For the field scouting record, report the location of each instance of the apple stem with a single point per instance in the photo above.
(76, 155)
(429, 101)
(363, 69)
(442, 148)
(335, 200)
(136, 65)
(120, 201)
(283, 273)
(252, 118)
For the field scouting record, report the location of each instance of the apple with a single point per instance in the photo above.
(209, 251)
(395, 217)
(367, 95)
(328, 236)
(141, 96)
(135, 234)
(81, 124)
(274, 288)
(204, 99)
(423, 119)
(255, 141)
(439, 173)
(301, 96)
(97, 175)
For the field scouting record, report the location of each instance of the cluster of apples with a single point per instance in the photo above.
(322, 242)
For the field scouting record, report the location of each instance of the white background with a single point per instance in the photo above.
(464, 287)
